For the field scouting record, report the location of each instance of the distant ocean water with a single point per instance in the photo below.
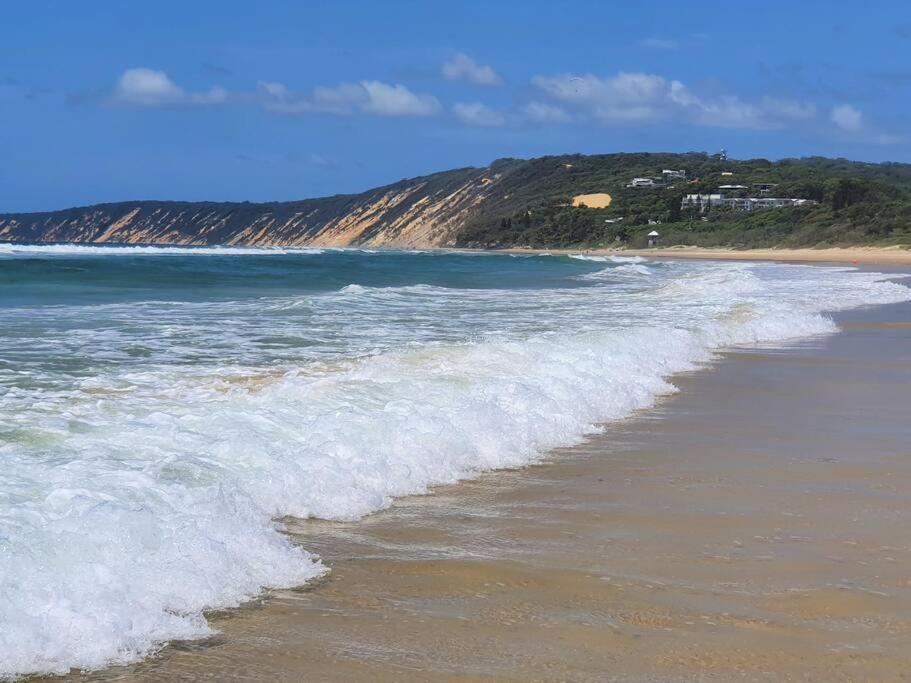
(160, 407)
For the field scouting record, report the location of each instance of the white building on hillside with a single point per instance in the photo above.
(701, 202)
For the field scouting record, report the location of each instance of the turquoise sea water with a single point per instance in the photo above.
(161, 407)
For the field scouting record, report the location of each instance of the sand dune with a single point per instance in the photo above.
(597, 200)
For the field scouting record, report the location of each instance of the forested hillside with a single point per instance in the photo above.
(516, 202)
(859, 203)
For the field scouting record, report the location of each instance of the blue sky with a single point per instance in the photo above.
(106, 101)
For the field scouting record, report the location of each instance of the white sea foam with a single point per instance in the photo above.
(134, 496)
(607, 259)
(619, 271)
(14, 249)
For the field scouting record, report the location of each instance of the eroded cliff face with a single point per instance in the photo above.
(423, 212)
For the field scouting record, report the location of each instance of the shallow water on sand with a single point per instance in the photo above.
(751, 527)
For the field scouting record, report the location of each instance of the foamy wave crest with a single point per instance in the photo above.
(139, 498)
(359, 250)
(149, 250)
(400, 289)
(607, 259)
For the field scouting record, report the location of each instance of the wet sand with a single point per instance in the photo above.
(754, 526)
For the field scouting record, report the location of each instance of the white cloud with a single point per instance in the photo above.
(372, 97)
(342, 99)
(847, 118)
(147, 86)
(397, 100)
(635, 97)
(727, 111)
(540, 112)
(477, 114)
(682, 95)
(273, 89)
(790, 109)
(624, 97)
(851, 122)
(464, 68)
(730, 111)
(143, 87)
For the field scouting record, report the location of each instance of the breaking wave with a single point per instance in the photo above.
(14, 249)
(134, 495)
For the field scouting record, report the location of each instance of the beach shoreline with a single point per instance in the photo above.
(893, 255)
(900, 256)
(748, 526)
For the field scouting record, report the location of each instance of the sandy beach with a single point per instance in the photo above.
(860, 255)
(896, 256)
(751, 527)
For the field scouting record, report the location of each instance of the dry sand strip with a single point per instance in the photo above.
(898, 255)
(865, 255)
(752, 527)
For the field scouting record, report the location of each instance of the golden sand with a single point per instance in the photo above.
(896, 255)
(866, 255)
(597, 200)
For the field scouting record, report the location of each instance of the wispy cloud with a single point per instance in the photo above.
(793, 110)
(397, 100)
(636, 97)
(477, 114)
(463, 68)
(631, 98)
(142, 87)
(540, 112)
(847, 118)
(852, 123)
(371, 97)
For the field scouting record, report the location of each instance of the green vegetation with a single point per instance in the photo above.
(516, 202)
(859, 203)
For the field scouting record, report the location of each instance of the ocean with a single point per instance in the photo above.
(162, 408)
